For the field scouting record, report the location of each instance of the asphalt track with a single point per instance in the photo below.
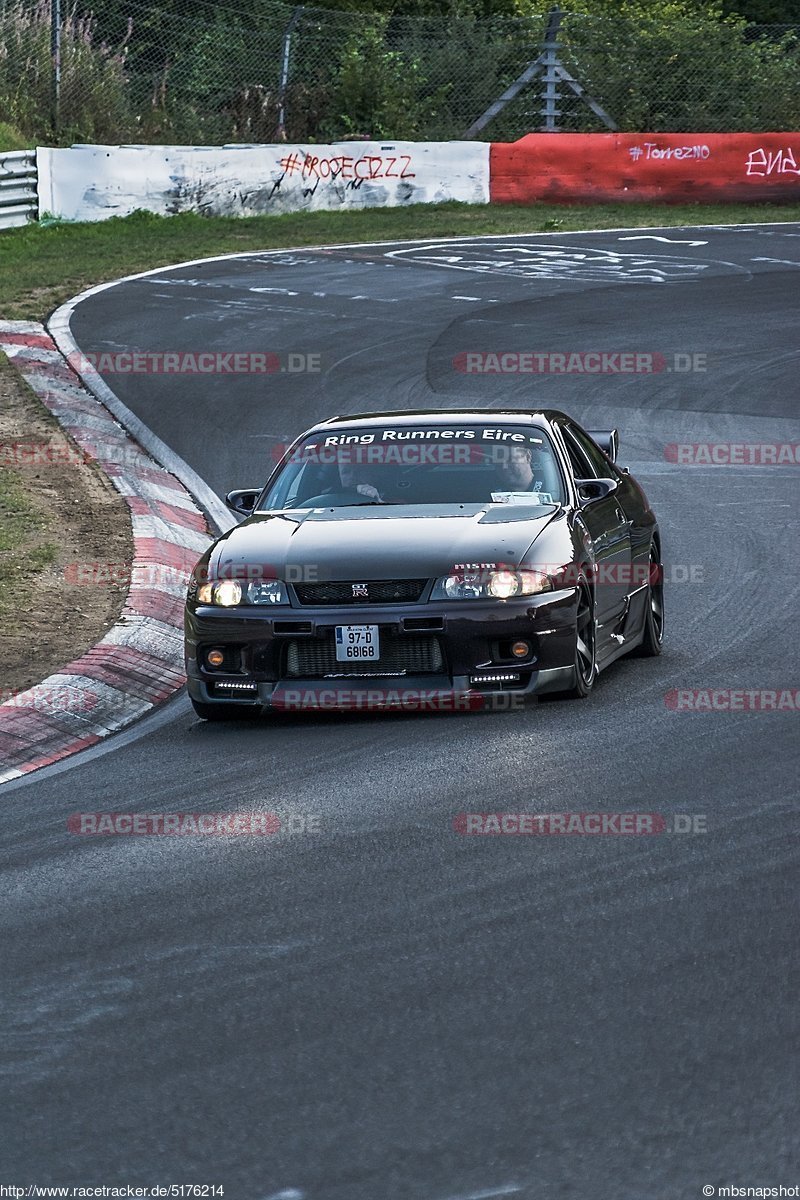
(386, 1010)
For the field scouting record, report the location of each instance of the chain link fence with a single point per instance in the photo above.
(192, 71)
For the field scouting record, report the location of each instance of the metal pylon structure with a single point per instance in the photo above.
(553, 72)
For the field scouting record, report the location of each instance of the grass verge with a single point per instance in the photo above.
(23, 555)
(56, 511)
(43, 265)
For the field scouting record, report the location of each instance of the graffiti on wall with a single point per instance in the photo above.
(95, 182)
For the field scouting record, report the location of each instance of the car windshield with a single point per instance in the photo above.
(476, 464)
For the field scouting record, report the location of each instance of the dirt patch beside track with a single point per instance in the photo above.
(58, 513)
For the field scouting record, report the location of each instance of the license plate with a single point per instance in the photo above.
(357, 643)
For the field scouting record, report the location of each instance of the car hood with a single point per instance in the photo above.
(375, 543)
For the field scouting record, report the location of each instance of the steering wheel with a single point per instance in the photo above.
(333, 500)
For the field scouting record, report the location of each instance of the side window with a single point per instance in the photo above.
(602, 467)
(294, 488)
(581, 467)
(285, 489)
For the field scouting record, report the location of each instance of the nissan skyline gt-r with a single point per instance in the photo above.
(465, 556)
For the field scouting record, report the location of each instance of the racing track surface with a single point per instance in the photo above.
(385, 1010)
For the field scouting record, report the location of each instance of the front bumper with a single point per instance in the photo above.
(470, 667)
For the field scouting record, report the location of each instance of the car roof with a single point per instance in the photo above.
(438, 417)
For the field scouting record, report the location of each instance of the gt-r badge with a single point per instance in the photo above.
(360, 591)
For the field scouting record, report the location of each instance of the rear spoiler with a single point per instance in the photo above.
(607, 440)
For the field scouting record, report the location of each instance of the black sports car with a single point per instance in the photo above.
(426, 560)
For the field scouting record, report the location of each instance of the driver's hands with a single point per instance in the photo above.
(366, 489)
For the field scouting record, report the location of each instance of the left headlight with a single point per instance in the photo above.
(491, 585)
(228, 593)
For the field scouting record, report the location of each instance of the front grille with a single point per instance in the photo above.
(378, 591)
(315, 658)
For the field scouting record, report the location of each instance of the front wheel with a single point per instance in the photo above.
(225, 712)
(585, 666)
(653, 639)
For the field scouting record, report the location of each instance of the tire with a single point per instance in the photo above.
(585, 647)
(226, 712)
(653, 639)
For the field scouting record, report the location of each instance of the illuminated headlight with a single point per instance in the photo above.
(491, 585)
(227, 593)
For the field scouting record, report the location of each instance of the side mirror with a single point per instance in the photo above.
(590, 490)
(243, 501)
(607, 440)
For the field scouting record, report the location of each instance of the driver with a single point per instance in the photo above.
(517, 469)
(351, 476)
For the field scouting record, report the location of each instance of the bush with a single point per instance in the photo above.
(199, 73)
(378, 92)
(12, 138)
(94, 92)
(683, 72)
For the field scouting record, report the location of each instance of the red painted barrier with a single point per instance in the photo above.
(670, 167)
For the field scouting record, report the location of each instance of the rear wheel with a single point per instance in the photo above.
(653, 639)
(226, 712)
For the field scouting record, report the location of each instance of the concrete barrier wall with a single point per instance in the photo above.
(91, 183)
(670, 167)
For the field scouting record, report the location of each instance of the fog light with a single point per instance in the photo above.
(215, 658)
(521, 649)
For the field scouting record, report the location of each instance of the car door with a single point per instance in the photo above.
(608, 525)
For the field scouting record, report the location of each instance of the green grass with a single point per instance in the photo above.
(15, 512)
(23, 522)
(43, 265)
(42, 556)
(20, 557)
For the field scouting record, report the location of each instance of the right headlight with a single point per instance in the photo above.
(491, 585)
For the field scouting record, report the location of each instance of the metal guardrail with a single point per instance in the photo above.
(19, 202)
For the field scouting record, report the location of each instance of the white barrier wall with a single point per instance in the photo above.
(91, 183)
